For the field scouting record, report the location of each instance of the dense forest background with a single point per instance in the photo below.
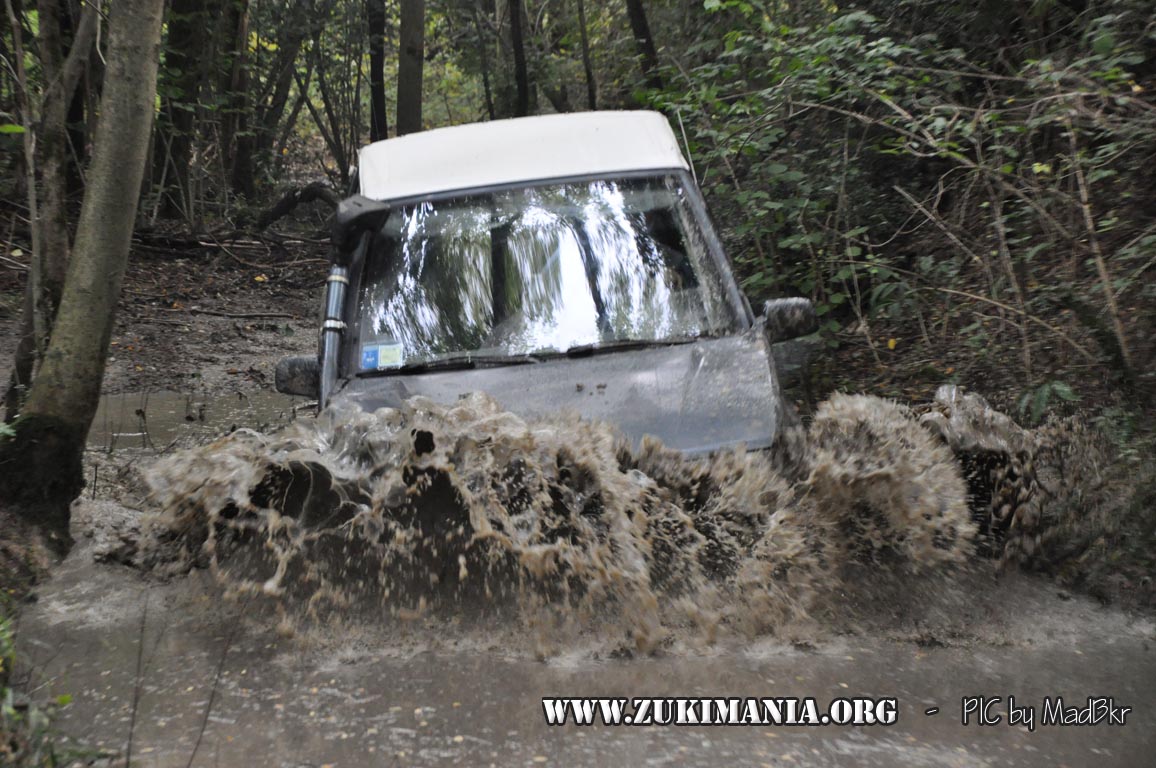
(967, 190)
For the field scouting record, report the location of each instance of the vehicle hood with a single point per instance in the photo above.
(697, 397)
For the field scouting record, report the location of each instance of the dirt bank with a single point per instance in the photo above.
(209, 319)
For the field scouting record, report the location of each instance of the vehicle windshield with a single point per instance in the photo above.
(539, 270)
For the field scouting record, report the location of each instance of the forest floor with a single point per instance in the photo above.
(209, 318)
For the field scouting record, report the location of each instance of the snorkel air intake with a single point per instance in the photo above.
(357, 219)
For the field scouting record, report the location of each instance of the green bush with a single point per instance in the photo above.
(934, 165)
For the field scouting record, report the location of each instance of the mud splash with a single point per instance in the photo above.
(431, 505)
(1041, 496)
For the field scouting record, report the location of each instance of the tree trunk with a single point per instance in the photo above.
(375, 17)
(272, 98)
(8, 84)
(61, 76)
(31, 322)
(330, 126)
(50, 160)
(521, 75)
(642, 36)
(183, 75)
(410, 59)
(591, 85)
(41, 467)
(78, 144)
(232, 79)
(295, 113)
(75, 118)
(243, 169)
(483, 53)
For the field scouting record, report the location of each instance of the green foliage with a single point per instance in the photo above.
(7, 641)
(1033, 404)
(25, 735)
(785, 191)
(876, 165)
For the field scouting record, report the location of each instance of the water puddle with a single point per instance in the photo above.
(163, 420)
(191, 679)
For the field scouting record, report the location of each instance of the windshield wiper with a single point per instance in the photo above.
(456, 363)
(617, 345)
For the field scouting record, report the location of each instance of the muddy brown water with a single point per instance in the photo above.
(363, 693)
(161, 420)
(219, 668)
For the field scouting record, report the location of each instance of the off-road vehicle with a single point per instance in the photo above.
(557, 263)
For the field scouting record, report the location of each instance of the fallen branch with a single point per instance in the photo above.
(318, 190)
(255, 265)
(230, 315)
(242, 315)
(239, 260)
(173, 323)
(234, 238)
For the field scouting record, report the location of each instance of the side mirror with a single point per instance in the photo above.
(786, 319)
(298, 376)
(356, 214)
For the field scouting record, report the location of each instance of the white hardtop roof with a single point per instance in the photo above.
(522, 149)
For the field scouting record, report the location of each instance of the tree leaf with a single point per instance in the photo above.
(1064, 391)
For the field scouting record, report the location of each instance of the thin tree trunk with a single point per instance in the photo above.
(275, 94)
(77, 145)
(294, 114)
(235, 32)
(42, 464)
(411, 57)
(483, 52)
(335, 137)
(591, 85)
(1098, 255)
(521, 75)
(60, 75)
(31, 322)
(74, 121)
(8, 86)
(642, 36)
(47, 155)
(375, 17)
(183, 76)
(242, 170)
(330, 135)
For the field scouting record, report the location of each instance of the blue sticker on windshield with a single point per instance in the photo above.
(369, 358)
